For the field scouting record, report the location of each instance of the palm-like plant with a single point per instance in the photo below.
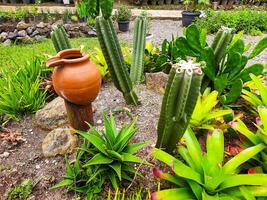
(256, 99)
(111, 152)
(205, 177)
(259, 137)
(206, 115)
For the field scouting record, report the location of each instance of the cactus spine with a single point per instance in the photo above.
(178, 103)
(112, 52)
(137, 67)
(60, 38)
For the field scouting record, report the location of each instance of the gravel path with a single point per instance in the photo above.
(165, 29)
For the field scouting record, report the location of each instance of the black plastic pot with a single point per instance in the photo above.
(189, 17)
(176, 2)
(124, 26)
(13, 1)
(168, 2)
(160, 2)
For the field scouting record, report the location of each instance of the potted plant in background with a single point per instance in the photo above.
(192, 11)
(123, 15)
(149, 35)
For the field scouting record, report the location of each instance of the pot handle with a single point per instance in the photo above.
(54, 61)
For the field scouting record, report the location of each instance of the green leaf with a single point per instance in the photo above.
(207, 55)
(234, 93)
(172, 194)
(241, 158)
(261, 87)
(182, 44)
(259, 48)
(113, 180)
(110, 130)
(98, 159)
(193, 37)
(117, 168)
(256, 69)
(126, 157)
(106, 7)
(65, 182)
(203, 38)
(133, 148)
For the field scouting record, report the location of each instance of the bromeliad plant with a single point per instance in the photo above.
(259, 137)
(207, 176)
(178, 103)
(206, 115)
(99, 59)
(256, 99)
(104, 155)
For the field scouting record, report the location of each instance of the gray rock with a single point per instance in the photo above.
(59, 142)
(3, 36)
(43, 31)
(30, 30)
(22, 33)
(91, 33)
(39, 38)
(22, 25)
(41, 25)
(25, 40)
(7, 42)
(36, 32)
(12, 35)
(156, 81)
(53, 115)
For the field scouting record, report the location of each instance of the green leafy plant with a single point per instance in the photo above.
(207, 176)
(249, 20)
(226, 61)
(178, 103)
(259, 137)
(195, 5)
(206, 115)
(21, 191)
(104, 155)
(259, 99)
(20, 88)
(99, 59)
(113, 55)
(123, 14)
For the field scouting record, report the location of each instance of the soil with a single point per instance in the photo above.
(26, 159)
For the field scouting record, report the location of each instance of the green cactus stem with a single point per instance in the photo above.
(60, 38)
(137, 67)
(113, 55)
(178, 103)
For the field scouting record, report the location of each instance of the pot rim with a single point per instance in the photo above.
(67, 54)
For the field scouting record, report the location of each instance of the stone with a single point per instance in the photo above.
(7, 42)
(43, 31)
(91, 33)
(59, 142)
(53, 115)
(36, 32)
(5, 154)
(30, 30)
(39, 38)
(156, 81)
(25, 40)
(3, 36)
(12, 35)
(22, 25)
(41, 25)
(22, 33)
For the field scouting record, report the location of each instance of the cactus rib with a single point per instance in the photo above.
(60, 38)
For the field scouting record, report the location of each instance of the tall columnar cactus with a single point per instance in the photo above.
(220, 43)
(137, 67)
(112, 52)
(60, 38)
(178, 103)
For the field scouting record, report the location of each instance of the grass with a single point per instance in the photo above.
(22, 53)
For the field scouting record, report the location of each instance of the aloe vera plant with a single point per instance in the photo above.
(178, 103)
(60, 38)
(207, 176)
(112, 52)
(253, 98)
(206, 115)
(259, 137)
(226, 61)
(139, 44)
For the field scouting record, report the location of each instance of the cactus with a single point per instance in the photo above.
(220, 43)
(137, 66)
(178, 103)
(60, 38)
(112, 52)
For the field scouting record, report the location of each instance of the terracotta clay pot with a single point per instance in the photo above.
(75, 77)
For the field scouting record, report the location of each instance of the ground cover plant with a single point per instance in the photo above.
(251, 21)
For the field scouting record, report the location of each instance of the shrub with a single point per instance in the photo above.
(20, 88)
(208, 176)
(251, 21)
(123, 14)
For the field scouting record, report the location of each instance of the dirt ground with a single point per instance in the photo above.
(25, 158)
